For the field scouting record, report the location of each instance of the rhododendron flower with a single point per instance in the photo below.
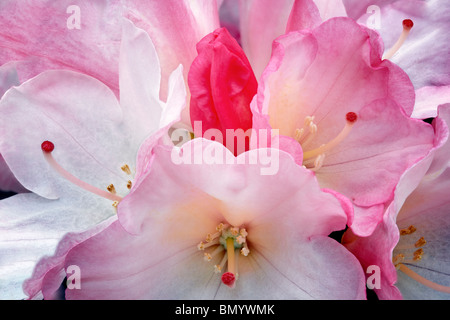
(424, 53)
(95, 141)
(345, 113)
(38, 36)
(410, 245)
(222, 85)
(214, 231)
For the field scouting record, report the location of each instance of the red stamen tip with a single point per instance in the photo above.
(351, 117)
(47, 146)
(228, 278)
(408, 23)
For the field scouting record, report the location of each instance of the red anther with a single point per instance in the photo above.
(351, 117)
(228, 278)
(47, 146)
(408, 23)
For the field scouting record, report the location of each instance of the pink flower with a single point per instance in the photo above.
(343, 112)
(96, 141)
(266, 242)
(424, 53)
(39, 35)
(222, 85)
(413, 235)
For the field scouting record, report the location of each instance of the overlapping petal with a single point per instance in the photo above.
(37, 36)
(94, 137)
(424, 55)
(302, 80)
(420, 200)
(292, 256)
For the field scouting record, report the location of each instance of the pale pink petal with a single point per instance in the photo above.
(8, 77)
(287, 225)
(301, 81)
(231, 184)
(428, 99)
(424, 53)
(31, 228)
(8, 181)
(37, 35)
(50, 271)
(175, 27)
(378, 248)
(382, 145)
(304, 15)
(81, 116)
(260, 23)
(140, 77)
(331, 8)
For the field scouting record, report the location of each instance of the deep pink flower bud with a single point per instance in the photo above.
(222, 85)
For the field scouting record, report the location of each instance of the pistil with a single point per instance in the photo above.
(351, 118)
(47, 149)
(407, 26)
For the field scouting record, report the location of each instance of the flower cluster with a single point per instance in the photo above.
(235, 149)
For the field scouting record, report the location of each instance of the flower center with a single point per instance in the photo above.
(407, 26)
(111, 194)
(408, 252)
(313, 159)
(233, 241)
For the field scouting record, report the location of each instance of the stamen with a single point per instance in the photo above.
(129, 184)
(299, 134)
(210, 237)
(301, 137)
(231, 239)
(409, 230)
(218, 267)
(418, 254)
(245, 251)
(422, 280)
(125, 168)
(420, 243)
(318, 163)
(236, 264)
(398, 259)
(208, 256)
(111, 189)
(351, 118)
(312, 133)
(234, 231)
(203, 246)
(47, 148)
(407, 26)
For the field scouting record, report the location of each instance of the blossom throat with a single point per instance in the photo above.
(233, 241)
(317, 156)
(47, 149)
(410, 254)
